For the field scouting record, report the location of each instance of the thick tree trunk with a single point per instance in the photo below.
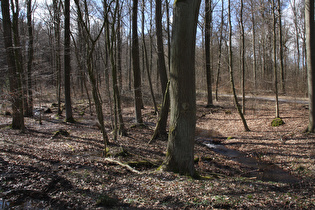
(310, 47)
(180, 147)
(14, 75)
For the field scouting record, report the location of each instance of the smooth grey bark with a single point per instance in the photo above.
(180, 146)
(310, 56)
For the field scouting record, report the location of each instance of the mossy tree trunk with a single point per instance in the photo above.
(180, 147)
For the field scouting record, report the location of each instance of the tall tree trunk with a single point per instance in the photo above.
(14, 75)
(208, 14)
(310, 47)
(119, 126)
(136, 64)
(15, 8)
(180, 147)
(90, 67)
(161, 68)
(67, 64)
(254, 44)
(282, 81)
(168, 34)
(243, 57)
(238, 107)
(56, 8)
(220, 51)
(29, 111)
(275, 57)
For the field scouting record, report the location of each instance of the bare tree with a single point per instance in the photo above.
(275, 58)
(180, 147)
(310, 47)
(14, 75)
(238, 107)
(282, 80)
(67, 62)
(220, 51)
(136, 63)
(90, 68)
(161, 125)
(30, 54)
(208, 14)
(242, 56)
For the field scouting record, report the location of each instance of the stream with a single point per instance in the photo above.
(261, 170)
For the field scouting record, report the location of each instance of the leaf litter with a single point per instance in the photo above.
(69, 172)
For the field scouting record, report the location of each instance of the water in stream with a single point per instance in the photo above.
(261, 170)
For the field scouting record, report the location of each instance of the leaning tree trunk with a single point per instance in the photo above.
(161, 128)
(180, 147)
(238, 107)
(310, 47)
(14, 75)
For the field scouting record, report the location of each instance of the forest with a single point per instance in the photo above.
(185, 104)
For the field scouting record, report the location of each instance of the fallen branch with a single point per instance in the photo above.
(124, 165)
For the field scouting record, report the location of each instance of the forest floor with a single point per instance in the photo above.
(266, 168)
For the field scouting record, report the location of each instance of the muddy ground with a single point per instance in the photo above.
(266, 168)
